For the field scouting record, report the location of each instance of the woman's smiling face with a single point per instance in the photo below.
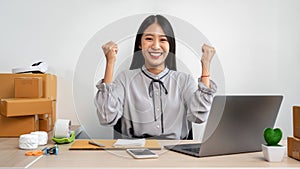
(155, 47)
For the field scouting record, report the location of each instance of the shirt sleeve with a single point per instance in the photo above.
(199, 100)
(109, 101)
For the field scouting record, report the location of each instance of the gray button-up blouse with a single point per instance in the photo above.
(154, 105)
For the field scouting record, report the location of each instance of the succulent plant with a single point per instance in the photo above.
(272, 136)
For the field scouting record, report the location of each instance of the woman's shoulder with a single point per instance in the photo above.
(128, 74)
(131, 73)
(179, 74)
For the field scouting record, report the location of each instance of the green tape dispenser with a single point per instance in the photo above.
(62, 132)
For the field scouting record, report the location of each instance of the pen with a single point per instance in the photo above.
(96, 144)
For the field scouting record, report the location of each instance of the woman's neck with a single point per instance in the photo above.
(155, 71)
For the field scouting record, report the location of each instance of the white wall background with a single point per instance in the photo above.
(257, 41)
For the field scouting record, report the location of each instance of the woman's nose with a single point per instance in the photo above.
(155, 44)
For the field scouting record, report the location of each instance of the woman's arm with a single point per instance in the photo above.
(109, 98)
(208, 53)
(199, 100)
(110, 50)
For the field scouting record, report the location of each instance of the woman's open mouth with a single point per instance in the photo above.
(155, 55)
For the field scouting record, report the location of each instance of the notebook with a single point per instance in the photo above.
(235, 125)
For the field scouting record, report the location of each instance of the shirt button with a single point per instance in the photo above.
(157, 126)
(157, 93)
(157, 77)
(157, 109)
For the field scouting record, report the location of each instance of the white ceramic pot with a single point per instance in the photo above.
(273, 153)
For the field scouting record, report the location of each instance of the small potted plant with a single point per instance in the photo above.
(272, 151)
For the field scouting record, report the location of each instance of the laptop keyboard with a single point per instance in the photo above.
(193, 150)
(183, 146)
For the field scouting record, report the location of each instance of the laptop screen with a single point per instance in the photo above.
(236, 123)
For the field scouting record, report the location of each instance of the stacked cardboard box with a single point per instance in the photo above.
(294, 142)
(28, 103)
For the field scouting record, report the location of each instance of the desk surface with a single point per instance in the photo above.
(11, 156)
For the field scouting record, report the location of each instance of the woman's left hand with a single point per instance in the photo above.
(208, 53)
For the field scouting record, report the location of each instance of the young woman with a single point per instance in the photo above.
(152, 99)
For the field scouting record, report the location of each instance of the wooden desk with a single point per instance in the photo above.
(11, 156)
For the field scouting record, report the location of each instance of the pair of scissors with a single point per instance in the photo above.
(35, 152)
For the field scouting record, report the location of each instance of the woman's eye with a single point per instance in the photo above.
(163, 40)
(148, 38)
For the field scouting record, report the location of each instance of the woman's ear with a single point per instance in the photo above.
(140, 46)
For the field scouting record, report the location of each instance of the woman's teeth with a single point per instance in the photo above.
(156, 54)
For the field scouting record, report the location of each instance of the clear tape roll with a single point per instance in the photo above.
(42, 137)
(62, 128)
(28, 141)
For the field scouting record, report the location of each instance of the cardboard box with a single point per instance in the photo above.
(50, 119)
(23, 107)
(28, 87)
(43, 116)
(45, 124)
(53, 115)
(15, 126)
(7, 89)
(294, 147)
(296, 121)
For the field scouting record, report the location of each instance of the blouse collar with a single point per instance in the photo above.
(154, 76)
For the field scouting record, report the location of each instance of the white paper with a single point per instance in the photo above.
(130, 143)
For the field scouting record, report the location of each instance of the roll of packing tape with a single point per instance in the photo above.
(42, 137)
(62, 128)
(28, 141)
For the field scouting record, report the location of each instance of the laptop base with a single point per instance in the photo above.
(188, 149)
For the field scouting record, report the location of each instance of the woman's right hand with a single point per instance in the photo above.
(110, 50)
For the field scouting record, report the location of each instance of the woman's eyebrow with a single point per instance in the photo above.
(152, 34)
(148, 34)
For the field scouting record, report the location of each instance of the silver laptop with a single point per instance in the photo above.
(235, 125)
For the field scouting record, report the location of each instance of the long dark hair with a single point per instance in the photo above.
(138, 60)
